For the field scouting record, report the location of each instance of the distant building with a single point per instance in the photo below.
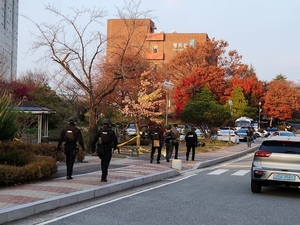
(159, 47)
(9, 10)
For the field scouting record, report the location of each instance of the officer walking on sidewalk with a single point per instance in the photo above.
(191, 140)
(157, 142)
(249, 133)
(169, 137)
(70, 135)
(176, 141)
(106, 140)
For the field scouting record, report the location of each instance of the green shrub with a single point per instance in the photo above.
(40, 168)
(16, 157)
(8, 118)
(24, 162)
(37, 149)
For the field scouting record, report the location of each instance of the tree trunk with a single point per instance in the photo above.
(271, 122)
(92, 130)
(138, 136)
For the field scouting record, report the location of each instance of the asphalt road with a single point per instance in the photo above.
(211, 196)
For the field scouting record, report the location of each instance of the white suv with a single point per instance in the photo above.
(276, 162)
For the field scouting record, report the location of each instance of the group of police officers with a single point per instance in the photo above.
(105, 141)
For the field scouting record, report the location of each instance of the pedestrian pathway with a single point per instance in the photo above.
(25, 200)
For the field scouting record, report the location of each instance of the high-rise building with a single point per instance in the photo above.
(9, 10)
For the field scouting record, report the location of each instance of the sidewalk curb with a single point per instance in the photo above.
(224, 158)
(30, 209)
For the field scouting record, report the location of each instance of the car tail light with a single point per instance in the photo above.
(261, 153)
(232, 135)
(258, 173)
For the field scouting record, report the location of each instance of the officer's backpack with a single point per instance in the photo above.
(70, 136)
(104, 137)
(155, 136)
(156, 139)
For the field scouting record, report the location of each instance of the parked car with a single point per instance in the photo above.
(199, 133)
(181, 129)
(242, 132)
(131, 130)
(272, 130)
(276, 162)
(223, 135)
(262, 133)
(283, 133)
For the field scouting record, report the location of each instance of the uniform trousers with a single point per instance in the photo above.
(169, 151)
(176, 146)
(70, 152)
(153, 152)
(105, 160)
(190, 147)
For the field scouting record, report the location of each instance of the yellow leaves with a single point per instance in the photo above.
(143, 97)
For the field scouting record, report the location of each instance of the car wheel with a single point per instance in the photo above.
(255, 186)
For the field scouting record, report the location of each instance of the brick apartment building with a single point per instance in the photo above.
(158, 47)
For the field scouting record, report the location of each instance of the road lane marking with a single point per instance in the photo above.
(240, 173)
(217, 172)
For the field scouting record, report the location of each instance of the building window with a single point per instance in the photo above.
(154, 48)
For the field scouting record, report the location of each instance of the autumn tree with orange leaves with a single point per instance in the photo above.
(208, 65)
(253, 88)
(212, 77)
(141, 101)
(282, 99)
(78, 51)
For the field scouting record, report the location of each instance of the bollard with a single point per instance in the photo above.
(176, 164)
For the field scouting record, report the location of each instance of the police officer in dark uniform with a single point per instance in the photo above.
(169, 137)
(191, 141)
(157, 141)
(106, 140)
(70, 135)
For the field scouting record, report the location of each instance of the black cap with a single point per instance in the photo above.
(106, 121)
(72, 119)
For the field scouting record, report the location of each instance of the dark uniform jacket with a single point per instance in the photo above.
(156, 133)
(105, 138)
(77, 136)
(191, 139)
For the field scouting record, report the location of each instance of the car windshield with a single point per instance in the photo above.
(242, 131)
(286, 134)
(272, 129)
(226, 132)
(242, 123)
(281, 146)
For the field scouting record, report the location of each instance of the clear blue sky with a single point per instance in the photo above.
(265, 32)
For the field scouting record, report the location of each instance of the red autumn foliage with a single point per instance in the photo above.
(212, 77)
(281, 99)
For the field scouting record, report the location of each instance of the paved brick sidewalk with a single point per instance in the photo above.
(25, 200)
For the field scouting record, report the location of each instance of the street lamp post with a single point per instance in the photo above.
(230, 102)
(168, 86)
(259, 110)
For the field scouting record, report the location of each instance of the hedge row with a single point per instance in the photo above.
(40, 168)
